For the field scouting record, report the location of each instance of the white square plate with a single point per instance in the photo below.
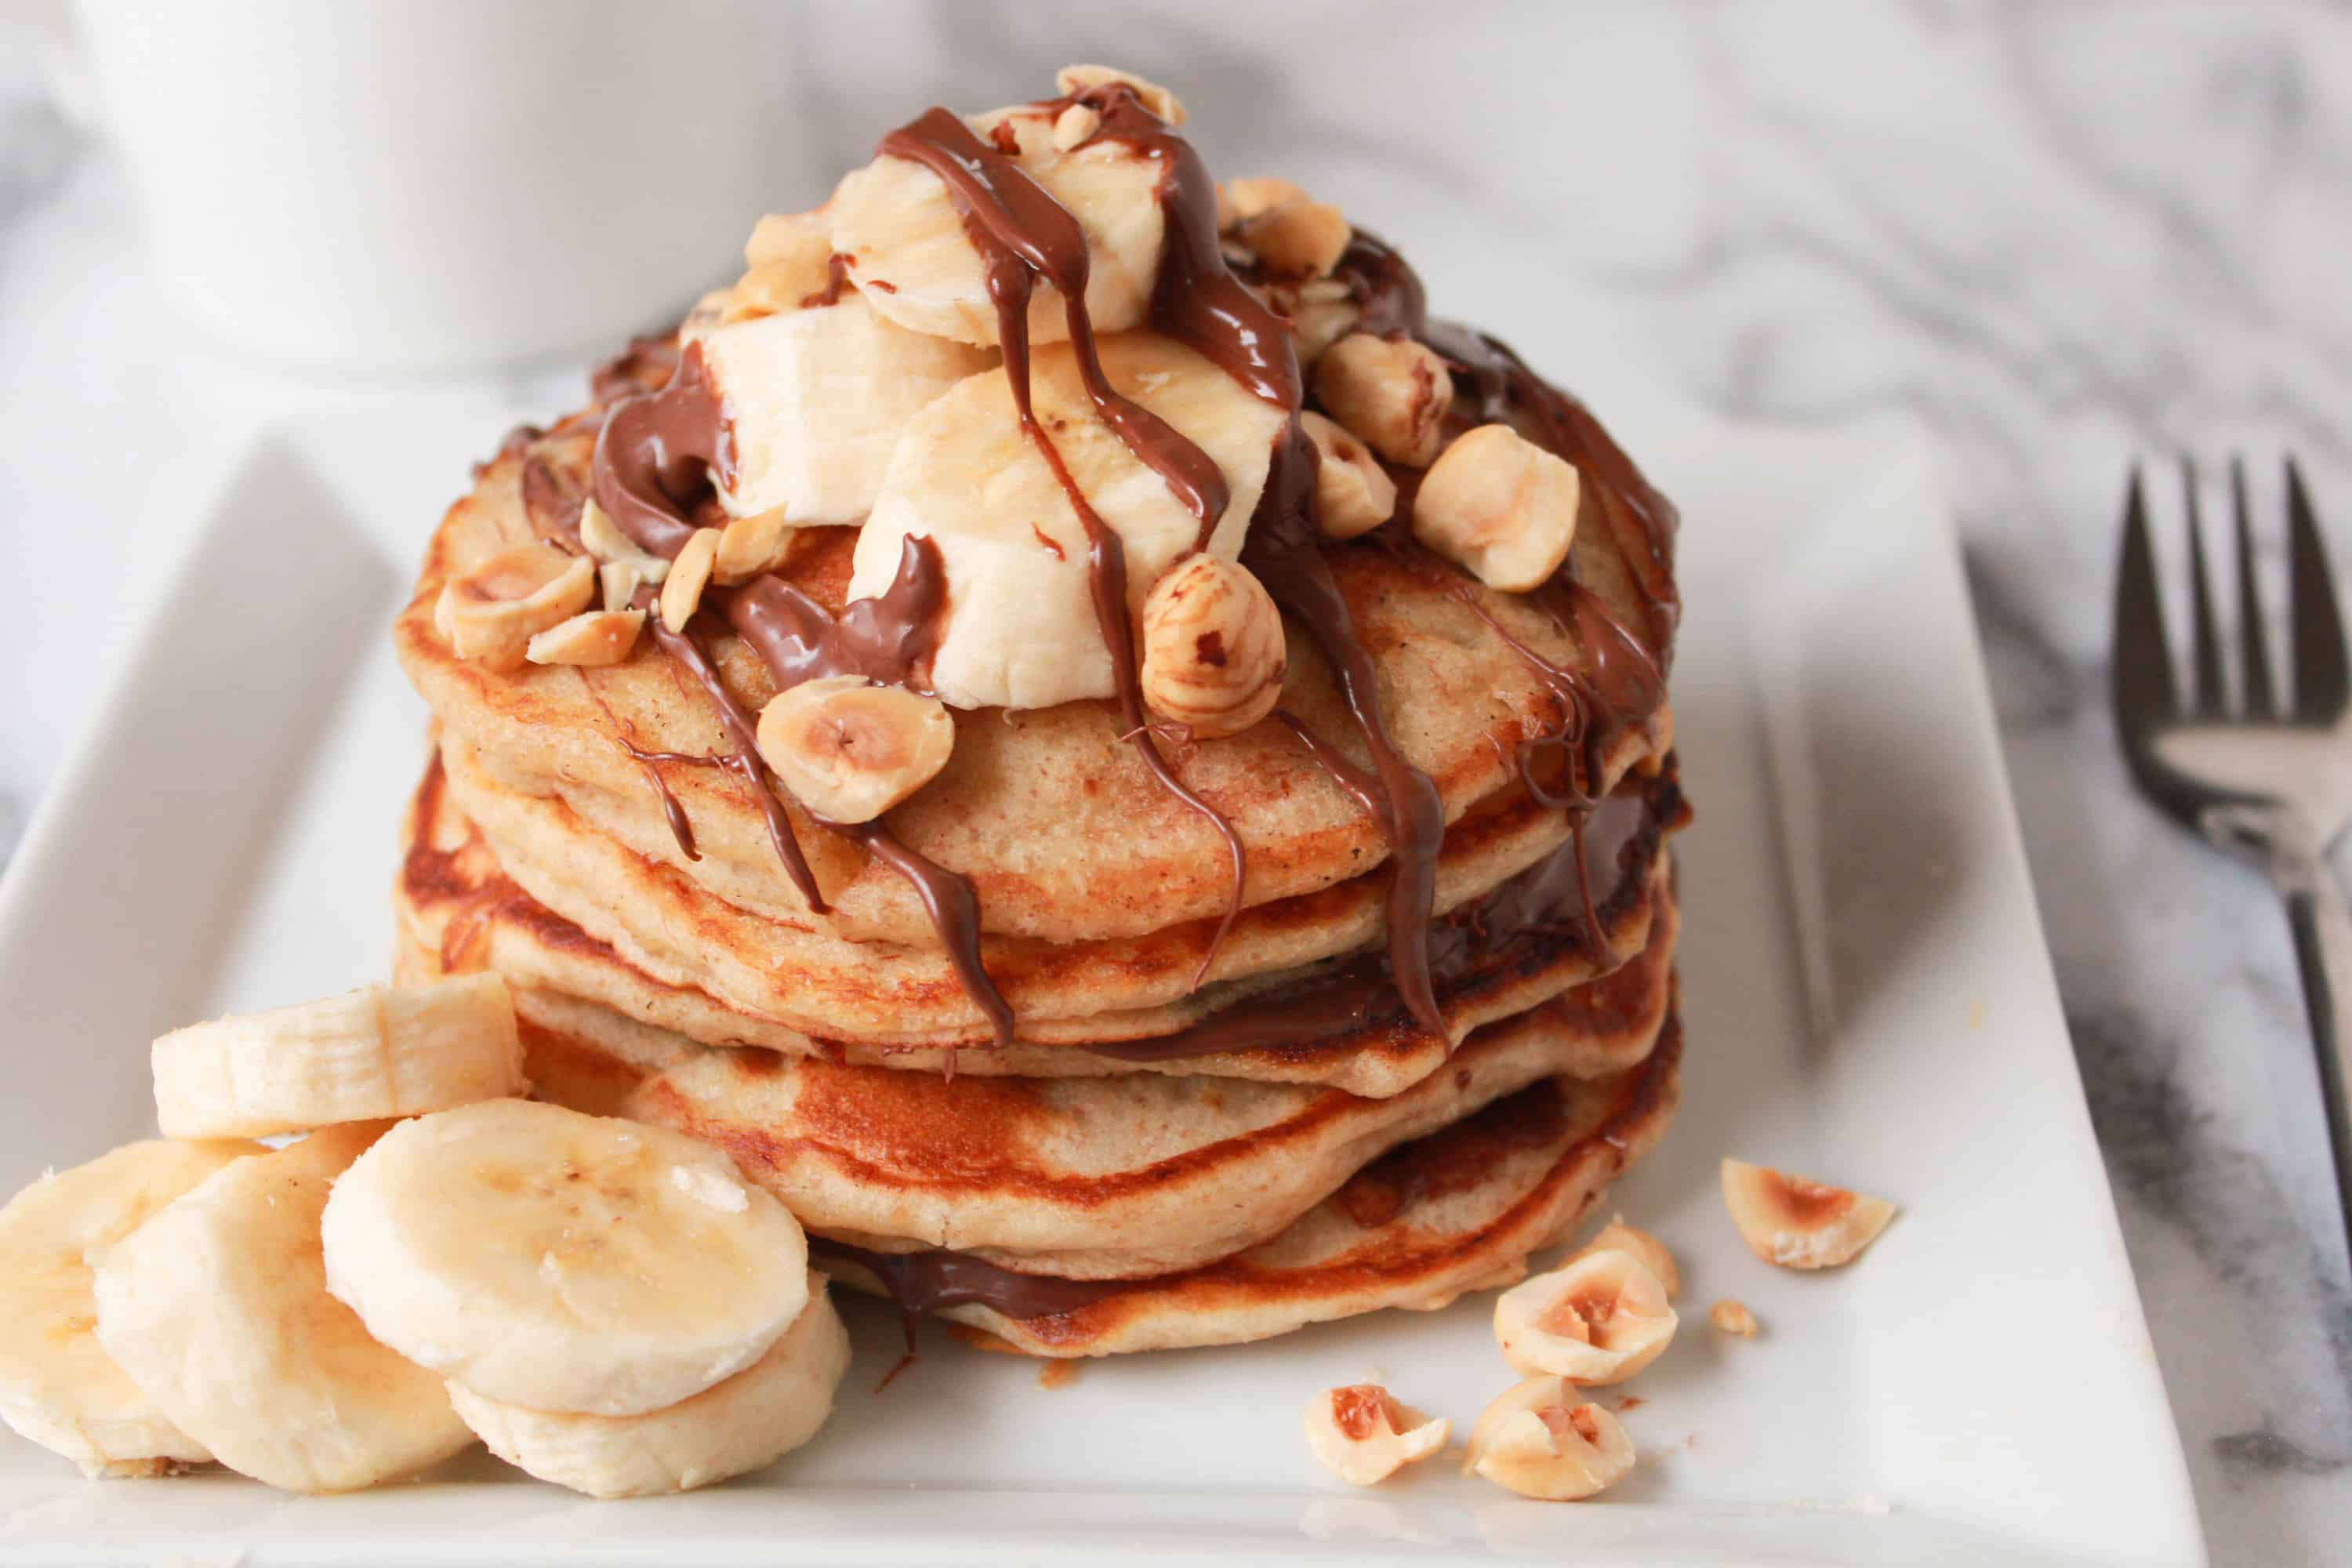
(1865, 992)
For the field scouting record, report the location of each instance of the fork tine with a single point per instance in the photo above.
(2206, 642)
(2140, 676)
(2322, 683)
(2260, 699)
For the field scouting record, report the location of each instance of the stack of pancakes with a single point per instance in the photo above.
(1212, 1120)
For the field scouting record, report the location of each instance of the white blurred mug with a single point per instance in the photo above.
(374, 184)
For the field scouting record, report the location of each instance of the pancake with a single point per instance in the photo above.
(455, 897)
(1084, 1178)
(1063, 832)
(1461, 1210)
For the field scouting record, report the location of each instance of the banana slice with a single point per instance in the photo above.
(1799, 1223)
(910, 256)
(1020, 629)
(217, 1309)
(815, 399)
(57, 1386)
(745, 1423)
(377, 1052)
(563, 1262)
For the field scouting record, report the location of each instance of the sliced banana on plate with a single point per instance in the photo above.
(58, 1386)
(217, 1309)
(562, 1262)
(1020, 629)
(815, 399)
(912, 257)
(744, 1424)
(377, 1052)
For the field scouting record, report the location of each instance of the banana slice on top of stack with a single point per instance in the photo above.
(858, 369)
(610, 1307)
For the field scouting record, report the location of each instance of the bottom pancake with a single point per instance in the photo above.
(1460, 1210)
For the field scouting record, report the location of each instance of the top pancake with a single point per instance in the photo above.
(1063, 832)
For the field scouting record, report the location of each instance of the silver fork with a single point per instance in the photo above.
(2233, 787)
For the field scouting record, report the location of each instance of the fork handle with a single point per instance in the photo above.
(2315, 910)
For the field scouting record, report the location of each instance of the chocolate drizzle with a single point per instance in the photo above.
(1284, 549)
(1614, 848)
(927, 1280)
(653, 457)
(1642, 522)
(1022, 236)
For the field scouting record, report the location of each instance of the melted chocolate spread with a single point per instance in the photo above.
(1613, 848)
(1022, 236)
(927, 1280)
(653, 457)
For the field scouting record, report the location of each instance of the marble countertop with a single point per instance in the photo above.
(2060, 237)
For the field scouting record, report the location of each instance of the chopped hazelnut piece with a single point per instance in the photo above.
(1297, 239)
(602, 538)
(788, 236)
(1353, 494)
(751, 545)
(690, 573)
(1542, 1439)
(1798, 1223)
(1213, 650)
(490, 614)
(1244, 198)
(620, 580)
(849, 749)
(1733, 1318)
(1619, 1237)
(1499, 506)
(1363, 1436)
(1391, 394)
(1598, 1319)
(593, 637)
(1075, 124)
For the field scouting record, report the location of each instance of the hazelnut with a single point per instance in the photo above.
(593, 637)
(620, 580)
(788, 237)
(1499, 506)
(1392, 395)
(788, 258)
(602, 538)
(849, 749)
(1541, 1441)
(1072, 80)
(1297, 239)
(1074, 125)
(775, 290)
(751, 545)
(491, 613)
(1733, 1318)
(1645, 1248)
(1213, 654)
(690, 573)
(1239, 200)
(1353, 494)
(1597, 1319)
(1317, 324)
(1798, 1223)
(1363, 1436)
